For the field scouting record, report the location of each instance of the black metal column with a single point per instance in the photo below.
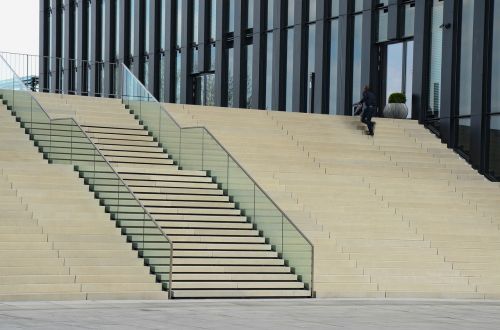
(344, 90)
(108, 52)
(421, 53)
(138, 51)
(95, 47)
(279, 56)
(448, 73)
(186, 53)
(321, 69)
(124, 32)
(68, 50)
(221, 61)
(154, 47)
(81, 47)
(43, 40)
(54, 45)
(259, 55)
(170, 12)
(299, 81)
(479, 85)
(369, 51)
(239, 60)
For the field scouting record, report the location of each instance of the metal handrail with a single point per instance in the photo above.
(112, 168)
(125, 68)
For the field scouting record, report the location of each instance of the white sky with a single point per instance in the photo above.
(19, 26)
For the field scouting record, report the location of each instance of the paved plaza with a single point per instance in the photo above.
(253, 314)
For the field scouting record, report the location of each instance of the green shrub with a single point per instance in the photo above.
(397, 98)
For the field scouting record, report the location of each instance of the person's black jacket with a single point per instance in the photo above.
(369, 99)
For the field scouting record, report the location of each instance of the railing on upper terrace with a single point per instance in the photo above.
(65, 76)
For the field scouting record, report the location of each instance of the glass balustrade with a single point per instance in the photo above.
(195, 148)
(63, 141)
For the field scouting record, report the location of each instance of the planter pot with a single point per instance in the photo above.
(396, 110)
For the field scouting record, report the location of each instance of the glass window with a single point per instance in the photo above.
(249, 52)
(334, 46)
(358, 5)
(291, 12)
(179, 23)
(146, 18)
(194, 63)
(117, 29)
(178, 77)
(311, 60)
(269, 70)
(212, 57)
(466, 51)
(495, 59)
(435, 61)
(464, 134)
(289, 69)
(409, 20)
(383, 15)
(334, 8)
(231, 15)
(270, 14)
(230, 76)
(132, 27)
(196, 20)
(250, 14)
(494, 154)
(312, 10)
(356, 60)
(394, 69)
(213, 19)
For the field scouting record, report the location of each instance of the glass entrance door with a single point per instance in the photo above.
(397, 72)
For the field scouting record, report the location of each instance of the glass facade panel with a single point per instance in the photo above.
(356, 60)
(269, 69)
(251, 5)
(495, 61)
(435, 61)
(333, 65)
(179, 23)
(270, 14)
(249, 53)
(289, 69)
(463, 133)
(290, 12)
(231, 13)
(334, 8)
(358, 5)
(213, 19)
(409, 20)
(196, 20)
(178, 76)
(311, 60)
(466, 51)
(494, 147)
(383, 16)
(312, 10)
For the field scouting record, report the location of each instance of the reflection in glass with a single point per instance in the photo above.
(466, 50)
(289, 69)
(358, 5)
(356, 61)
(435, 60)
(213, 19)
(334, 46)
(494, 154)
(196, 19)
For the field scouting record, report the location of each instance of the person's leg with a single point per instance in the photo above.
(369, 123)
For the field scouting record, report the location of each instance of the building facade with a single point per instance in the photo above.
(291, 55)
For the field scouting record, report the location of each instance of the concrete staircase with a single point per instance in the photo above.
(397, 215)
(56, 242)
(217, 252)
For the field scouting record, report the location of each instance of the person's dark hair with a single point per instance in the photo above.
(367, 88)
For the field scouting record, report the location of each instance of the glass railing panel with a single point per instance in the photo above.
(191, 147)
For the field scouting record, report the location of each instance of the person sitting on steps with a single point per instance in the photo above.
(369, 102)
